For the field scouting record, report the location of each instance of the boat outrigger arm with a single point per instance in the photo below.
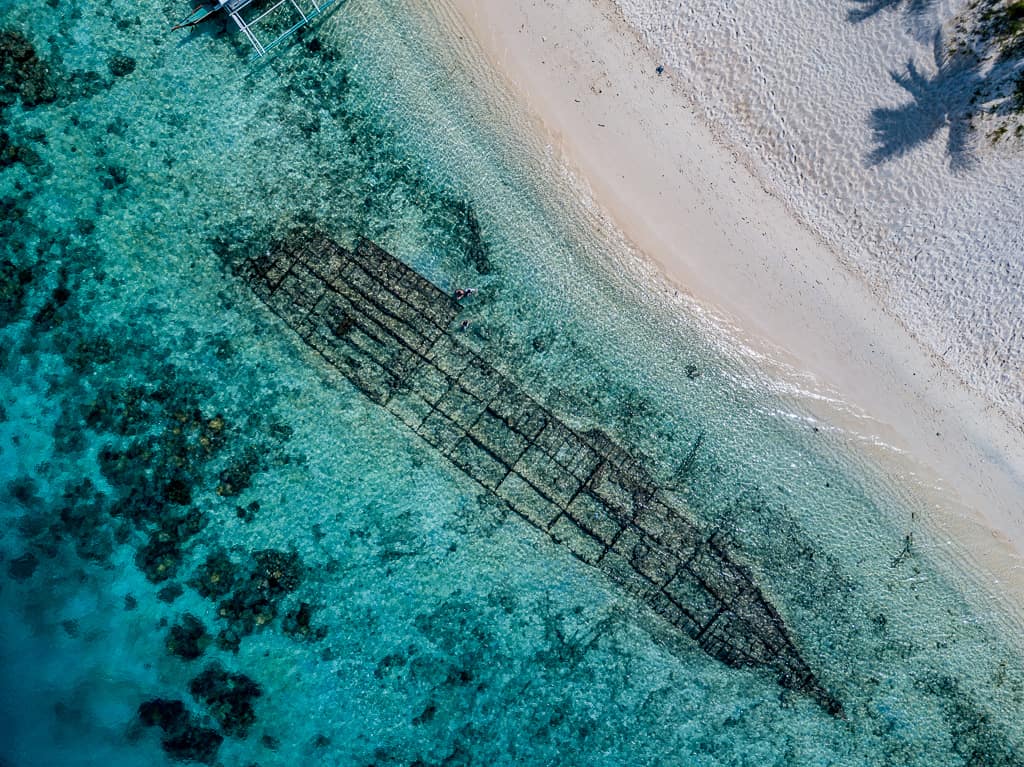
(292, 15)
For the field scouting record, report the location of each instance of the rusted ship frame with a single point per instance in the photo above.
(390, 332)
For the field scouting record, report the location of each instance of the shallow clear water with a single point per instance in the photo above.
(162, 434)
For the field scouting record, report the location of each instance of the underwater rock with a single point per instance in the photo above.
(297, 621)
(121, 65)
(183, 738)
(68, 436)
(40, 533)
(117, 411)
(193, 744)
(223, 349)
(185, 526)
(426, 716)
(229, 640)
(130, 602)
(228, 696)
(140, 505)
(22, 568)
(25, 491)
(395, 660)
(188, 639)
(246, 610)
(13, 212)
(22, 72)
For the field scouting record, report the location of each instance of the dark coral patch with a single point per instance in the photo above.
(245, 611)
(188, 639)
(298, 624)
(239, 473)
(281, 571)
(121, 65)
(84, 523)
(22, 72)
(162, 554)
(52, 315)
(22, 568)
(178, 491)
(165, 714)
(228, 696)
(13, 282)
(159, 558)
(12, 153)
(170, 592)
(184, 739)
(247, 514)
(257, 594)
(215, 577)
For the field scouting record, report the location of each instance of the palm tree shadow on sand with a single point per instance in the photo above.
(865, 9)
(946, 99)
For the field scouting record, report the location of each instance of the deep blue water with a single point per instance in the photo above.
(197, 511)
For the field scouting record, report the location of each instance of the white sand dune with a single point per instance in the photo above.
(860, 125)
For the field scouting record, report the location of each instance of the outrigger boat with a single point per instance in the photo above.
(286, 16)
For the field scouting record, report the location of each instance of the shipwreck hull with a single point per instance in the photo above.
(395, 336)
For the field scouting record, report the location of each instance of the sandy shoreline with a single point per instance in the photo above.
(687, 202)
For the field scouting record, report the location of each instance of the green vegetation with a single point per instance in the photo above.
(992, 31)
(1010, 19)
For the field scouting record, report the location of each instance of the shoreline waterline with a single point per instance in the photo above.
(689, 204)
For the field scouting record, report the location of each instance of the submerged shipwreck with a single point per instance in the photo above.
(394, 335)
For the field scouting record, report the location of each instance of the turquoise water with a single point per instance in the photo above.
(179, 475)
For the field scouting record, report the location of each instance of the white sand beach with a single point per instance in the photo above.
(717, 227)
